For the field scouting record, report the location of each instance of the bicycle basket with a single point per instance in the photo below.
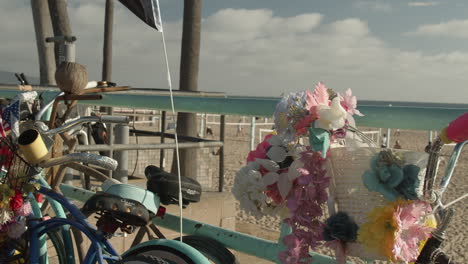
(349, 193)
(15, 171)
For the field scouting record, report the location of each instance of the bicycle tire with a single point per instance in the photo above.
(143, 259)
(54, 236)
(171, 255)
(213, 250)
(58, 242)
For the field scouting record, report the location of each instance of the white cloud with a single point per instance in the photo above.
(452, 28)
(252, 52)
(423, 4)
(373, 5)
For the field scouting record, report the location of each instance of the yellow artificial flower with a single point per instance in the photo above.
(379, 232)
(397, 230)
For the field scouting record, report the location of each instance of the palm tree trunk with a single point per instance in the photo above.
(60, 23)
(43, 29)
(189, 62)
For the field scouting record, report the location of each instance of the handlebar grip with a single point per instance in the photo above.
(456, 131)
(115, 119)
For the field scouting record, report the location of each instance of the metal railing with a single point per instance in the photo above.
(415, 116)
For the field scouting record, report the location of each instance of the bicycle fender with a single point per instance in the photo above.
(185, 249)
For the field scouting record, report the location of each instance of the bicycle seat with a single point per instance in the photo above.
(166, 186)
(128, 211)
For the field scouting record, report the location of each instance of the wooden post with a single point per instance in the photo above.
(189, 61)
(60, 22)
(43, 29)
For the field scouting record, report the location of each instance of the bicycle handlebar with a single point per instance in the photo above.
(44, 129)
(114, 119)
(98, 160)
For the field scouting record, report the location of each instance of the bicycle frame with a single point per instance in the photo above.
(37, 229)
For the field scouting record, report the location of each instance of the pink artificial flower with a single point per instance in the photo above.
(260, 152)
(318, 97)
(321, 94)
(297, 250)
(24, 210)
(411, 230)
(349, 103)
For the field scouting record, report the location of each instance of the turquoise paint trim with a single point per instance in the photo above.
(43, 259)
(247, 244)
(76, 193)
(241, 242)
(377, 114)
(187, 250)
(66, 232)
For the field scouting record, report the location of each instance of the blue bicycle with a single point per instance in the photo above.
(25, 180)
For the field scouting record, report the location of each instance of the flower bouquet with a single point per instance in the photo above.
(298, 170)
(15, 184)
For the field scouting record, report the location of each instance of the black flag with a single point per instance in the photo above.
(146, 10)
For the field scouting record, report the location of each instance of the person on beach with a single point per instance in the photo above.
(397, 145)
(239, 128)
(384, 141)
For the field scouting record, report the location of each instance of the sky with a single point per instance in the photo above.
(394, 50)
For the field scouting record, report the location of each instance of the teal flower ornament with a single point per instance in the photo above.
(391, 177)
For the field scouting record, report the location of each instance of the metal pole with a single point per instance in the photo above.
(67, 49)
(379, 137)
(121, 156)
(162, 158)
(110, 137)
(252, 133)
(202, 125)
(222, 131)
(388, 138)
(118, 147)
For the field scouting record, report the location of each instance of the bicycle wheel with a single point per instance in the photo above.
(59, 245)
(170, 255)
(21, 247)
(143, 259)
(214, 251)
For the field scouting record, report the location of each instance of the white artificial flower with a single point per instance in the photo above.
(250, 192)
(285, 179)
(5, 215)
(331, 117)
